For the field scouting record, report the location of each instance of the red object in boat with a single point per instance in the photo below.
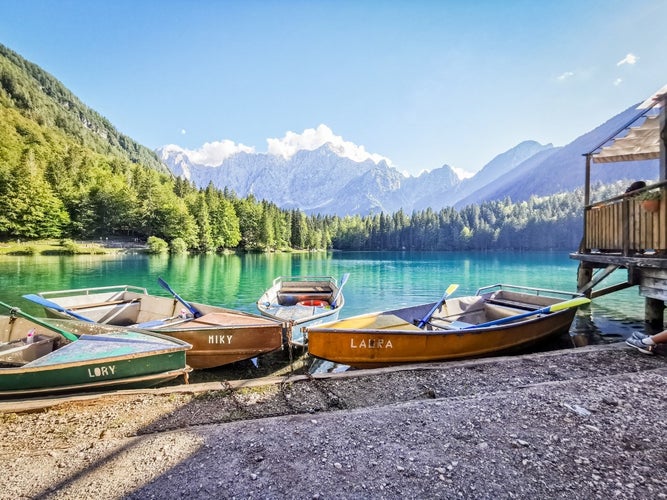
(313, 303)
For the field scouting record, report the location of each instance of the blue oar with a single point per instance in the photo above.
(579, 301)
(343, 280)
(151, 324)
(450, 290)
(189, 307)
(56, 307)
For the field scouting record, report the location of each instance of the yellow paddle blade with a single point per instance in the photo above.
(451, 289)
(579, 301)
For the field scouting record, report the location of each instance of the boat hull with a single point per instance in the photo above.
(392, 337)
(230, 338)
(219, 337)
(375, 348)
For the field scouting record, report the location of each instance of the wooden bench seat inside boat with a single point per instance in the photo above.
(228, 319)
(489, 312)
(518, 305)
(290, 299)
(107, 303)
(310, 288)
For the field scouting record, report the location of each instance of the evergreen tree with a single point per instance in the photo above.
(28, 207)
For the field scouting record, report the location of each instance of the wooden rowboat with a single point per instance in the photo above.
(219, 336)
(498, 319)
(40, 357)
(302, 302)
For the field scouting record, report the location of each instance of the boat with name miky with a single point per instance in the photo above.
(218, 335)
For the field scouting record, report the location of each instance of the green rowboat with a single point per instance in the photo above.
(63, 356)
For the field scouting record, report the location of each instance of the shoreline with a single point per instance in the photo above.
(109, 247)
(582, 422)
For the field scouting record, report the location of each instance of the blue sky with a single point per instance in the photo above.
(422, 83)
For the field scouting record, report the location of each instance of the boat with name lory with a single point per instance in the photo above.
(498, 319)
(44, 357)
(303, 301)
(218, 336)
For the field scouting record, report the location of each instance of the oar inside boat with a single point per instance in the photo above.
(560, 306)
(343, 280)
(450, 290)
(190, 308)
(17, 312)
(181, 317)
(56, 307)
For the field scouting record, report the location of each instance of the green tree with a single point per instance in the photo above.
(249, 213)
(298, 229)
(199, 210)
(28, 207)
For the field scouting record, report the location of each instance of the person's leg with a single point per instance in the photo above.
(645, 343)
(659, 338)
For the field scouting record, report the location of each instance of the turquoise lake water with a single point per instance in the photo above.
(378, 280)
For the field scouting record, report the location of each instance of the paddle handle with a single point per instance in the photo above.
(450, 289)
(560, 306)
(190, 308)
(16, 311)
(56, 307)
(343, 280)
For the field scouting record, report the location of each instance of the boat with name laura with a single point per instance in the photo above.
(497, 319)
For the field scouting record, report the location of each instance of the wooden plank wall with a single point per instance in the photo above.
(608, 229)
(653, 283)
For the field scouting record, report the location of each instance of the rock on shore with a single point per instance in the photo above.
(576, 423)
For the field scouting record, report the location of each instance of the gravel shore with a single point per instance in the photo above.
(575, 423)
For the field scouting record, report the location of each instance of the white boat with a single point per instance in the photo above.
(303, 302)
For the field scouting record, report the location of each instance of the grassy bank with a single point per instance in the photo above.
(54, 247)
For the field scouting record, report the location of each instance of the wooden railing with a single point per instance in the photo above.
(622, 224)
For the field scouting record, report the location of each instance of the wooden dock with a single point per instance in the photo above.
(624, 232)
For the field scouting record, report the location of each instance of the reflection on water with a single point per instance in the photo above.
(378, 280)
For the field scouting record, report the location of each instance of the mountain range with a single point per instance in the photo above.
(41, 114)
(325, 182)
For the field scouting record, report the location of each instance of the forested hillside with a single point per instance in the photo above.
(66, 172)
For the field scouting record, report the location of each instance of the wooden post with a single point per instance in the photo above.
(654, 310)
(587, 181)
(584, 276)
(663, 140)
(583, 248)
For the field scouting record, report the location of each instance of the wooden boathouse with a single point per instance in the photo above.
(623, 233)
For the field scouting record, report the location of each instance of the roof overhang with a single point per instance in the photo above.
(641, 139)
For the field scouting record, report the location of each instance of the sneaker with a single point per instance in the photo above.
(639, 335)
(639, 345)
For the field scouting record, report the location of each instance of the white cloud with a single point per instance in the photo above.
(211, 154)
(312, 139)
(462, 174)
(565, 76)
(629, 59)
(617, 82)
(183, 132)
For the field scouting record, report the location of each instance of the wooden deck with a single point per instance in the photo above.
(620, 234)
(622, 224)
